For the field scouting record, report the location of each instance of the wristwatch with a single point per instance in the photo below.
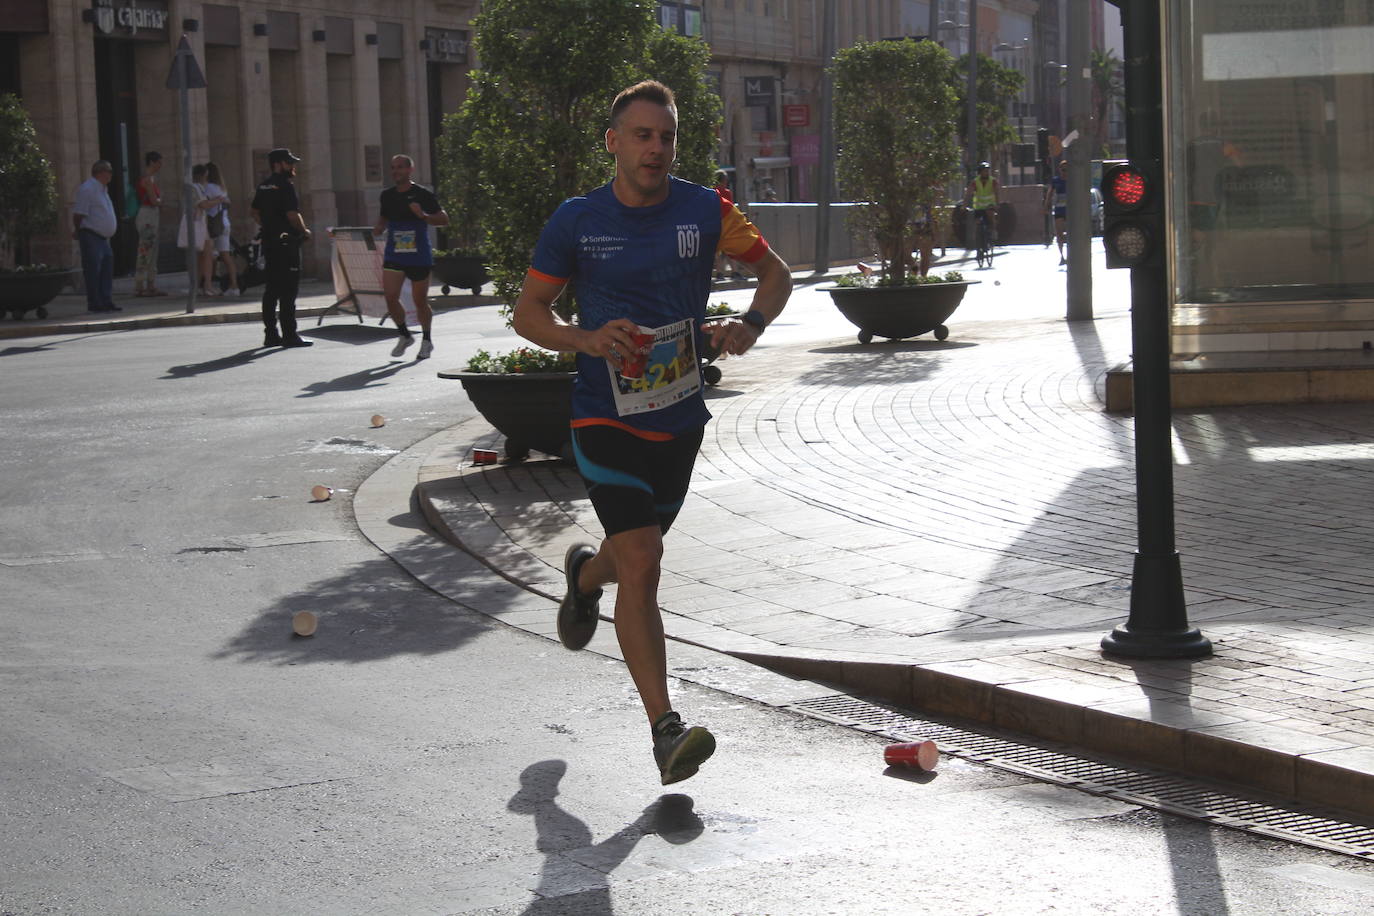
(755, 318)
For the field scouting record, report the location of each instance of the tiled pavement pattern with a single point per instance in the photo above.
(952, 525)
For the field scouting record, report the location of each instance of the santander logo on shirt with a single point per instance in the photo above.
(601, 247)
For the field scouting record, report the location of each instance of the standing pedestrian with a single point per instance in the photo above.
(408, 210)
(722, 188)
(149, 210)
(93, 225)
(197, 241)
(218, 215)
(641, 250)
(277, 209)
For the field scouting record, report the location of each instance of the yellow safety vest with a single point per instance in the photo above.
(982, 193)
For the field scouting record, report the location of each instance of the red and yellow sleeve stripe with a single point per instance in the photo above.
(739, 238)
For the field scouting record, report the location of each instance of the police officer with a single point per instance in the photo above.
(277, 211)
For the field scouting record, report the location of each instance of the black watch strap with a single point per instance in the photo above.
(755, 317)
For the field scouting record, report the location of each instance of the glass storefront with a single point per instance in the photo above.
(1271, 119)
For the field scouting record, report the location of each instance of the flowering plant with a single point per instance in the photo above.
(523, 360)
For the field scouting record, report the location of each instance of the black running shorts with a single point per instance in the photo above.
(414, 272)
(635, 482)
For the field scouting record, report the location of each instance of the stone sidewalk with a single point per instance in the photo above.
(951, 526)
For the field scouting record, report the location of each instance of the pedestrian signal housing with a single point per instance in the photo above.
(1133, 213)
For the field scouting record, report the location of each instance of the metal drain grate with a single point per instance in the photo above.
(1138, 786)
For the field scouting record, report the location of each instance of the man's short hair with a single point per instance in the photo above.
(101, 165)
(410, 162)
(649, 91)
(151, 157)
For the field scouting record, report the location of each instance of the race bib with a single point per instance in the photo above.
(403, 241)
(670, 372)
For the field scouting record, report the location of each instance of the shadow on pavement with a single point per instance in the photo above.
(898, 363)
(19, 351)
(232, 361)
(356, 334)
(364, 615)
(566, 840)
(355, 381)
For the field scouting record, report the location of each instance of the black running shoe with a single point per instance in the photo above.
(680, 750)
(271, 339)
(579, 614)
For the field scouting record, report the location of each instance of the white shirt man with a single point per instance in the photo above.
(93, 223)
(95, 208)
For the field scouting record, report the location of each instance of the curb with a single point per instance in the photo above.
(1198, 744)
(134, 324)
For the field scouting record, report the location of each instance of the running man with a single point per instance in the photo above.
(982, 196)
(408, 210)
(641, 250)
(1057, 196)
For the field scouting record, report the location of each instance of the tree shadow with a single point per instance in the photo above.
(365, 614)
(355, 381)
(566, 841)
(232, 361)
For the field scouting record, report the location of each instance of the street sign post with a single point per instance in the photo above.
(184, 76)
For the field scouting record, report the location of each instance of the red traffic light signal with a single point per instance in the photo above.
(1133, 229)
(1125, 186)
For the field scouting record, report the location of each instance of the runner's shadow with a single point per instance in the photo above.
(233, 360)
(575, 867)
(354, 381)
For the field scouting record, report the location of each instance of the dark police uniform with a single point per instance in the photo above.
(281, 249)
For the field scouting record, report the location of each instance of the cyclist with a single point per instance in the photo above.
(982, 198)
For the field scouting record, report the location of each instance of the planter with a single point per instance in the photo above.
(532, 410)
(898, 312)
(463, 271)
(31, 292)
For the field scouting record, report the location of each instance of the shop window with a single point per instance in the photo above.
(1272, 156)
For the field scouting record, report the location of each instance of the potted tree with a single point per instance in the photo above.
(28, 205)
(895, 114)
(529, 136)
(463, 264)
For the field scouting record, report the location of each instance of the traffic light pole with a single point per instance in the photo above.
(1157, 626)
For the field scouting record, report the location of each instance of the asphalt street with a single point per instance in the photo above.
(169, 747)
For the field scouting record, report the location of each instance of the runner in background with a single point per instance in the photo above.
(641, 250)
(408, 210)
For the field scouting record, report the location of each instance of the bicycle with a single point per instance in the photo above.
(983, 236)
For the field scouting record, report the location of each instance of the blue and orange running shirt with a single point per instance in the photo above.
(651, 265)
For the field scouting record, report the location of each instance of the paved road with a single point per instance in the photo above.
(169, 748)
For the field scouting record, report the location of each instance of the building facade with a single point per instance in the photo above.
(343, 83)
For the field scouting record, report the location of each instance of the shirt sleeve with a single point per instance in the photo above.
(289, 199)
(739, 238)
(429, 202)
(555, 255)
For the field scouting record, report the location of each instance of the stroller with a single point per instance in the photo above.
(251, 267)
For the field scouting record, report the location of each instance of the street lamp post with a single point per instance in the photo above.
(972, 149)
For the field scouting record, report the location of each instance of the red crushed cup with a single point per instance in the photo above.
(484, 456)
(637, 360)
(918, 755)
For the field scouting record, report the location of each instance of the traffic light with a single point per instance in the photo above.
(1133, 213)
